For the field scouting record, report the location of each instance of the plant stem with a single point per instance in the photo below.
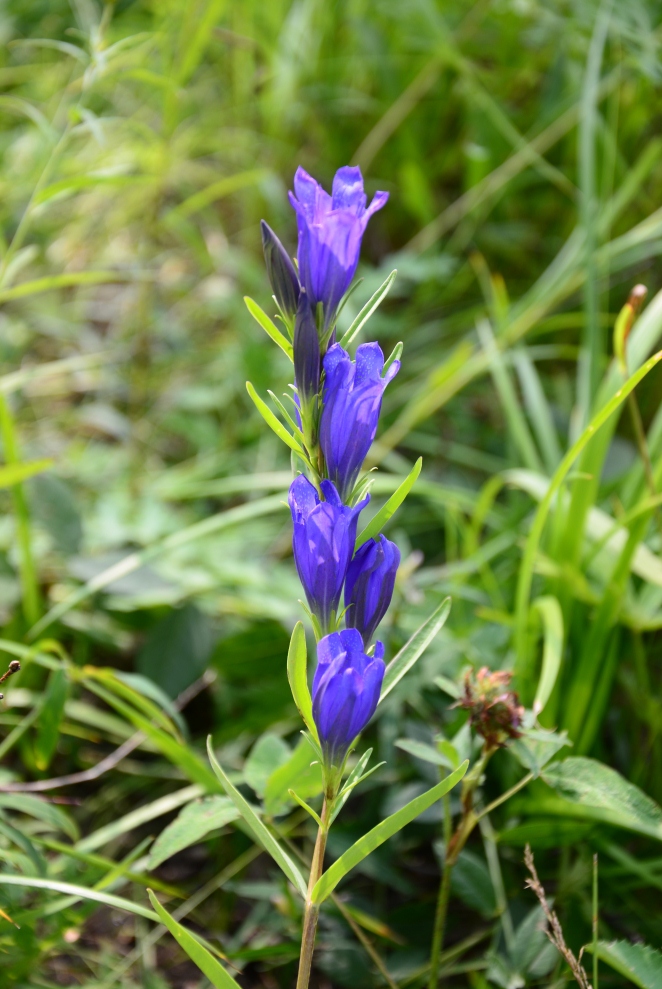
(311, 912)
(442, 900)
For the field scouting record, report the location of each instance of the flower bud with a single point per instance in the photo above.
(282, 276)
(494, 711)
(306, 351)
(369, 585)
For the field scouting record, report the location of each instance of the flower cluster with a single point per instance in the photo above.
(338, 403)
(494, 711)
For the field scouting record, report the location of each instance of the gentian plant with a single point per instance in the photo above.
(348, 579)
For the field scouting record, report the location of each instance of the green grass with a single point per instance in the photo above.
(140, 144)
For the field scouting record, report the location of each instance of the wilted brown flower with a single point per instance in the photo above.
(494, 711)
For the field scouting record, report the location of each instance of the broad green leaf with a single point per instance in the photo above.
(537, 747)
(550, 612)
(376, 524)
(368, 309)
(297, 674)
(198, 954)
(414, 648)
(269, 752)
(11, 474)
(296, 774)
(269, 327)
(639, 963)
(54, 506)
(50, 814)
(381, 833)
(273, 422)
(262, 835)
(605, 795)
(79, 893)
(427, 753)
(50, 716)
(185, 631)
(193, 822)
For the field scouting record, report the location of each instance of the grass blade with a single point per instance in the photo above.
(261, 834)
(414, 648)
(198, 954)
(80, 893)
(550, 612)
(381, 833)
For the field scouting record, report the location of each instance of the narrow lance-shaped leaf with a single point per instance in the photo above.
(269, 327)
(262, 835)
(414, 648)
(198, 954)
(639, 963)
(550, 612)
(274, 423)
(368, 310)
(381, 833)
(297, 674)
(376, 524)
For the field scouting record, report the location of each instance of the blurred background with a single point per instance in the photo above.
(143, 525)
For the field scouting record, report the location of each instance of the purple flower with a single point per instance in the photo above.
(345, 691)
(306, 352)
(330, 232)
(280, 270)
(369, 585)
(323, 543)
(351, 405)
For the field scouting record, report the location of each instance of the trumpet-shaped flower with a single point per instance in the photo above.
(346, 690)
(352, 402)
(331, 229)
(369, 585)
(323, 543)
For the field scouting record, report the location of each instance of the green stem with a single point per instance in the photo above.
(442, 900)
(311, 912)
(29, 584)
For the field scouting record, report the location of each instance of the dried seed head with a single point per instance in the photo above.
(494, 711)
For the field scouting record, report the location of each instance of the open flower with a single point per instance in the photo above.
(346, 690)
(331, 229)
(323, 543)
(352, 402)
(369, 585)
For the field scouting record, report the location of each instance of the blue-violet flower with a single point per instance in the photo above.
(346, 690)
(369, 585)
(352, 401)
(306, 352)
(280, 271)
(323, 542)
(331, 228)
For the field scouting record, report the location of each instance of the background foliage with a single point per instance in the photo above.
(140, 144)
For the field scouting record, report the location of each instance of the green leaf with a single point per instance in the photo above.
(639, 963)
(414, 648)
(297, 774)
(274, 423)
(550, 612)
(79, 893)
(191, 825)
(297, 674)
(53, 504)
(177, 650)
(269, 752)
(351, 781)
(262, 835)
(269, 327)
(537, 747)
(376, 524)
(604, 795)
(50, 814)
(50, 717)
(381, 833)
(11, 474)
(198, 954)
(368, 309)
(419, 750)
(65, 281)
